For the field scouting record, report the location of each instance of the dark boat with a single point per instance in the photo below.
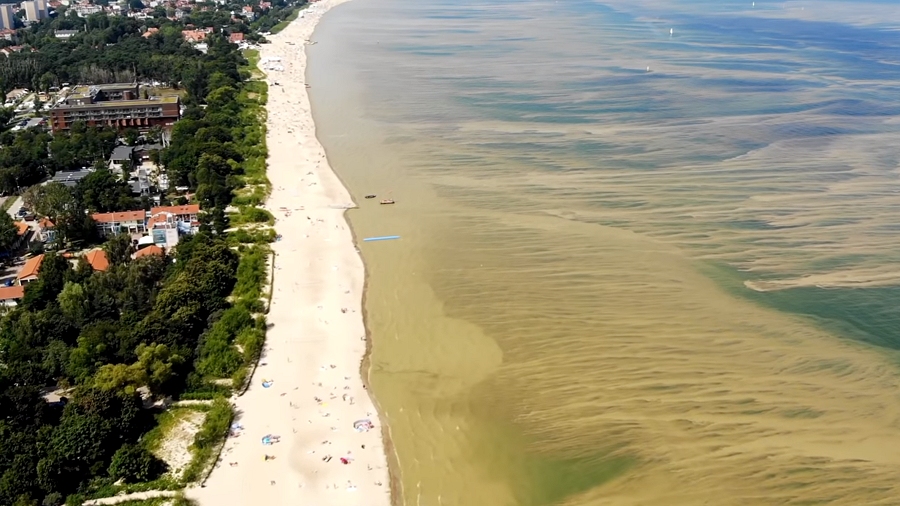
(370, 196)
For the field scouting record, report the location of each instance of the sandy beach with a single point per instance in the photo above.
(307, 393)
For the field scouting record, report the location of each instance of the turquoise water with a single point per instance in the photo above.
(636, 267)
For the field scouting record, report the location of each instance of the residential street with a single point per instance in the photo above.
(14, 208)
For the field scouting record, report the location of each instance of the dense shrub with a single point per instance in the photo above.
(218, 356)
(250, 214)
(215, 427)
(251, 273)
(250, 236)
(133, 463)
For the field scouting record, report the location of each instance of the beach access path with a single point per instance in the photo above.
(314, 348)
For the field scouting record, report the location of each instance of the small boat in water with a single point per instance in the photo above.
(370, 196)
(387, 201)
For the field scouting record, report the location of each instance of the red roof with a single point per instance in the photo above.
(119, 217)
(46, 223)
(22, 228)
(193, 35)
(149, 250)
(31, 267)
(188, 209)
(12, 292)
(236, 37)
(158, 218)
(97, 259)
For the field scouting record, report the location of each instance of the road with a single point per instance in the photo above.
(14, 208)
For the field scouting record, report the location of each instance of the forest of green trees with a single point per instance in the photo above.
(140, 323)
(111, 49)
(108, 48)
(153, 327)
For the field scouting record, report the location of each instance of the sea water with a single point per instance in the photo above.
(648, 254)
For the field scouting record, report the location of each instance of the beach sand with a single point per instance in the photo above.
(317, 337)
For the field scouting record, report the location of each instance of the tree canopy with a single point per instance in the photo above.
(102, 191)
(158, 325)
(108, 333)
(59, 203)
(9, 232)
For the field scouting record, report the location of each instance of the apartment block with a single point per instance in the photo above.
(7, 17)
(130, 222)
(115, 105)
(35, 10)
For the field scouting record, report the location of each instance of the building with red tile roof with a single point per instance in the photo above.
(148, 251)
(11, 49)
(132, 222)
(10, 295)
(183, 218)
(193, 35)
(23, 232)
(97, 259)
(160, 219)
(30, 270)
(186, 213)
(120, 216)
(46, 230)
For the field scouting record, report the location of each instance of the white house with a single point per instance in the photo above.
(132, 222)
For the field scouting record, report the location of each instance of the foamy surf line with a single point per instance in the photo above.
(306, 430)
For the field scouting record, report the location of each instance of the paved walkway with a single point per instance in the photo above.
(137, 496)
(192, 402)
(14, 208)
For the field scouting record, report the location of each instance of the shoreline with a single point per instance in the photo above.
(390, 453)
(317, 349)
